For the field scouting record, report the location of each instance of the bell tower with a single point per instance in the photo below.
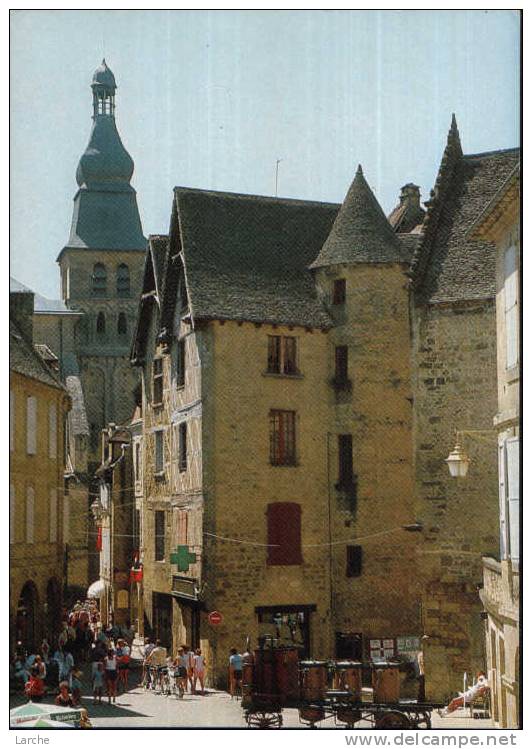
(102, 263)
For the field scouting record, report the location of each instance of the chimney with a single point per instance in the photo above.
(410, 196)
(21, 311)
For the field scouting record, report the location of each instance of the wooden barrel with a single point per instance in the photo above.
(286, 662)
(348, 677)
(313, 680)
(386, 682)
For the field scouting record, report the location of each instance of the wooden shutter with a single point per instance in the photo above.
(512, 473)
(503, 506)
(274, 354)
(284, 533)
(31, 425)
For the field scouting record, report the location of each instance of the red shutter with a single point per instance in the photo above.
(99, 543)
(284, 533)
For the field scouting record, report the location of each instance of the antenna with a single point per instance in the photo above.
(277, 175)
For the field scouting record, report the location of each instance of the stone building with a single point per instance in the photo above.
(499, 223)
(304, 367)
(38, 409)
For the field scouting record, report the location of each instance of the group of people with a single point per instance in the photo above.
(188, 667)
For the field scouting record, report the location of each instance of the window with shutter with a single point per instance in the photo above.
(157, 382)
(282, 438)
(53, 516)
(284, 533)
(31, 425)
(290, 355)
(513, 484)
(274, 354)
(30, 511)
(510, 306)
(52, 431)
(353, 561)
(160, 522)
(503, 507)
(183, 447)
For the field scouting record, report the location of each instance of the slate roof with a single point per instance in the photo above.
(42, 305)
(455, 267)
(25, 360)
(361, 232)
(158, 247)
(246, 257)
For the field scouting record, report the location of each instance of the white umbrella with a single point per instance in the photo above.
(45, 723)
(35, 710)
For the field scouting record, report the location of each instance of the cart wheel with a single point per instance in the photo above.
(392, 719)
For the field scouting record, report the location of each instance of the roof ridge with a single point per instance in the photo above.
(254, 196)
(492, 153)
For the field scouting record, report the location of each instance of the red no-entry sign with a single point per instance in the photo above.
(215, 618)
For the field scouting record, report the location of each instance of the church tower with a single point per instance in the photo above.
(101, 265)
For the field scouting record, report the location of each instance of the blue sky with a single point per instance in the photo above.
(212, 99)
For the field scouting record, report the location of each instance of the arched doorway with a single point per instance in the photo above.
(52, 609)
(27, 611)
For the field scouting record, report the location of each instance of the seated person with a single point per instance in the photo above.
(477, 690)
(34, 688)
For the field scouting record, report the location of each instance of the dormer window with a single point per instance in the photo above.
(99, 280)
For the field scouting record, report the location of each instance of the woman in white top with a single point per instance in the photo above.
(110, 664)
(199, 670)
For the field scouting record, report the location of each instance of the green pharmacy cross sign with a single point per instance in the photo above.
(183, 558)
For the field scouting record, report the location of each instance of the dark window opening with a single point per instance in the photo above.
(283, 438)
(282, 355)
(99, 280)
(160, 522)
(122, 281)
(159, 452)
(180, 364)
(353, 561)
(345, 461)
(100, 324)
(183, 447)
(157, 382)
(122, 324)
(284, 533)
(339, 291)
(341, 368)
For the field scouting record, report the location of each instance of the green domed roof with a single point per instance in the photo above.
(103, 76)
(105, 160)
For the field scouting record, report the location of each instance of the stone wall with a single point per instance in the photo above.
(455, 389)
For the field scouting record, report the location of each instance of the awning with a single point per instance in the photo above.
(96, 590)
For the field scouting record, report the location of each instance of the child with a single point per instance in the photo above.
(76, 687)
(97, 682)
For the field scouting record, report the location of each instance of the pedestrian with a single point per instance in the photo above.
(189, 658)
(76, 686)
(199, 670)
(123, 653)
(34, 687)
(97, 682)
(181, 663)
(464, 698)
(41, 667)
(156, 659)
(235, 671)
(111, 674)
(146, 650)
(65, 661)
(45, 650)
(64, 698)
(419, 666)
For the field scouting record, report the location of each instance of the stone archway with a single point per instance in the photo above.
(26, 624)
(52, 609)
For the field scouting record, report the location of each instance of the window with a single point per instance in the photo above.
(121, 327)
(283, 438)
(284, 533)
(11, 420)
(159, 452)
(31, 425)
(157, 382)
(30, 510)
(137, 459)
(382, 649)
(339, 291)
(122, 281)
(53, 516)
(282, 355)
(510, 306)
(512, 497)
(341, 368)
(353, 561)
(12, 514)
(160, 523)
(100, 324)
(99, 280)
(345, 461)
(183, 446)
(180, 363)
(52, 431)
(182, 527)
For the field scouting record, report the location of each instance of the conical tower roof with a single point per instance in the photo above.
(361, 232)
